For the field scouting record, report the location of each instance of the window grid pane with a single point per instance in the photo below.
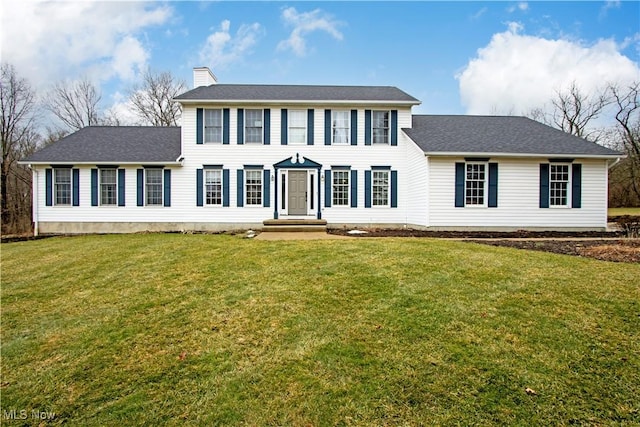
(213, 126)
(108, 187)
(213, 187)
(558, 185)
(253, 187)
(380, 127)
(253, 126)
(297, 127)
(153, 187)
(62, 186)
(380, 188)
(340, 127)
(475, 184)
(340, 183)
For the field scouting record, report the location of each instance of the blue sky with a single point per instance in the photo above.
(456, 57)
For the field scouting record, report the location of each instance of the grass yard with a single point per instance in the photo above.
(623, 211)
(174, 329)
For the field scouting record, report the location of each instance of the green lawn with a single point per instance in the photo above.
(174, 329)
(623, 211)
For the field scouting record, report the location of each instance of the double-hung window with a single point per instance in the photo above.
(340, 129)
(213, 187)
(62, 187)
(298, 127)
(153, 187)
(213, 126)
(559, 185)
(108, 187)
(253, 126)
(380, 188)
(253, 187)
(380, 127)
(475, 184)
(340, 190)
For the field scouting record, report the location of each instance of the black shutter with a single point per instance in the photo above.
(544, 185)
(460, 172)
(576, 185)
(94, 187)
(199, 125)
(493, 185)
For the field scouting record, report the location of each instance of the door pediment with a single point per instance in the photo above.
(290, 163)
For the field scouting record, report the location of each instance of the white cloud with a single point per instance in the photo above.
(522, 6)
(304, 23)
(48, 41)
(515, 72)
(221, 48)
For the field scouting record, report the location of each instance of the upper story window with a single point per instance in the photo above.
(380, 188)
(340, 127)
(297, 127)
(253, 125)
(559, 185)
(380, 127)
(213, 187)
(62, 187)
(213, 126)
(108, 187)
(153, 187)
(475, 184)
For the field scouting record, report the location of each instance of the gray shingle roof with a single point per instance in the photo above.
(238, 92)
(115, 144)
(497, 134)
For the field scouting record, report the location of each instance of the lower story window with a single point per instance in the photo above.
(62, 186)
(380, 188)
(108, 187)
(153, 184)
(558, 185)
(213, 187)
(475, 184)
(340, 182)
(253, 187)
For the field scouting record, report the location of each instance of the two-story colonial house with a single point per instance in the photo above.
(349, 155)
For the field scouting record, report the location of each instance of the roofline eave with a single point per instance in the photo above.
(525, 155)
(112, 162)
(293, 102)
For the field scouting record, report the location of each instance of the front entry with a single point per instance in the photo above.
(297, 199)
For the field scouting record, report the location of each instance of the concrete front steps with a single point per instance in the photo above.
(294, 225)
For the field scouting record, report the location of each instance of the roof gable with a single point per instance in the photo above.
(114, 144)
(497, 135)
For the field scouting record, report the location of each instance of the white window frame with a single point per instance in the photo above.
(58, 187)
(567, 183)
(386, 128)
(146, 187)
(347, 201)
(334, 127)
(247, 127)
(102, 184)
(294, 125)
(259, 173)
(215, 127)
(213, 184)
(480, 201)
(373, 188)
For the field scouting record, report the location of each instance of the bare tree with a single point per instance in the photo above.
(17, 102)
(627, 114)
(152, 100)
(574, 112)
(75, 103)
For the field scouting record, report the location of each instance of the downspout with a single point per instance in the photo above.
(611, 163)
(34, 190)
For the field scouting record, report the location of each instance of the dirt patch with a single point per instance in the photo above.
(623, 250)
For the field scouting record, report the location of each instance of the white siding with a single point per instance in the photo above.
(518, 197)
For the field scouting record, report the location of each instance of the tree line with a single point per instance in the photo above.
(76, 104)
(73, 105)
